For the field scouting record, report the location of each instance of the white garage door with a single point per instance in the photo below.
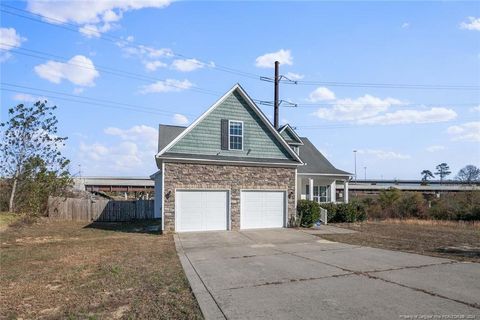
(262, 209)
(201, 210)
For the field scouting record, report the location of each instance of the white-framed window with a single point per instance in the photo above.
(320, 194)
(235, 135)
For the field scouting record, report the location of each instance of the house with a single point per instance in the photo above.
(231, 169)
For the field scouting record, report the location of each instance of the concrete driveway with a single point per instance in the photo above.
(289, 274)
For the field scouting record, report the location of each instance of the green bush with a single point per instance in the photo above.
(345, 212)
(308, 212)
(393, 203)
(456, 206)
(388, 198)
(410, 205)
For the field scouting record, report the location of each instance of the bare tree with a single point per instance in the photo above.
(469, 174)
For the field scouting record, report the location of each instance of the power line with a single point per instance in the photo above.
(108, 70)
(131, 75)
(117, 72)
(114, 39)
(85, 99)
(322, 105)
(77, 101)
(388, 85)
(357, 126)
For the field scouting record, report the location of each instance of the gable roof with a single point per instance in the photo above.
(165, 147)
(166, 134)
(287, 131)
(315, 161)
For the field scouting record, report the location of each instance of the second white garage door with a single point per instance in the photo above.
(201, 210)
(262, 209)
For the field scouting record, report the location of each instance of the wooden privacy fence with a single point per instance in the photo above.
(99, 210)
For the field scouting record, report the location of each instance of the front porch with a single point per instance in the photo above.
(322, 188)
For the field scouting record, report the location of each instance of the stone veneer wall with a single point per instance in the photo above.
(232, 177)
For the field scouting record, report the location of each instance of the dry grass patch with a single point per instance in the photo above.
(453, 240)
(64, 270)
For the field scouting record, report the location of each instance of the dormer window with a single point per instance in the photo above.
(296, 149)
(235, 135)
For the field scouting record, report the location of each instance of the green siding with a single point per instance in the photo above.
(288, 136)
(205, 137)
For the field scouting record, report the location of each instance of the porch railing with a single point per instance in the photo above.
(323, 215)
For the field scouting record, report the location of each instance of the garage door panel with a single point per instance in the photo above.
(201, 210)
(262, 209)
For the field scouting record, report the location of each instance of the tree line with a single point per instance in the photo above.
(468, 174)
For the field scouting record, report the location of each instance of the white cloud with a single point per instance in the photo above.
(357, 109)
(267, 60)
(95, 151)
(187, 65)
(131, 154)
(79, 70)
(469, 131)
(154, 65)
(142, 51)
(432, 115)
(435, 148)
(180, 119)
(294, 76)
(149, 56)
(135, 133)
(321, 94)
(9, 39)
(90, 30)
(471, 24)
(371, 110)
(78, 90)
(475, 109)
(94, 16)
(405, 25)
(169, 85)
(25, 97)
(384, 155)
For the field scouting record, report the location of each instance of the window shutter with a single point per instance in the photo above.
(224, 134)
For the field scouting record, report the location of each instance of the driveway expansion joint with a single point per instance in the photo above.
(473, 305)
(290, 281)
(368, 275)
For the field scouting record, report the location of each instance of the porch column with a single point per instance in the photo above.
(345, 191)
(310, 186)
(333, 191)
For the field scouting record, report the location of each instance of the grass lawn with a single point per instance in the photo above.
(68, 270)
(7, 218)
(442, 239)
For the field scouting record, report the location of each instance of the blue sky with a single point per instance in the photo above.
(157, 62)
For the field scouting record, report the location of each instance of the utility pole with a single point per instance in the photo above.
(365, 168)
(355, 161)
(275, 99)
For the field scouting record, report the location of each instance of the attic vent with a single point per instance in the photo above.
(224, 134)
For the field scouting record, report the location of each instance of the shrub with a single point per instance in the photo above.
(388, 198)
(345, 212)
(456, 206)
(308, 212)
(410, 205)
(393, 203)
